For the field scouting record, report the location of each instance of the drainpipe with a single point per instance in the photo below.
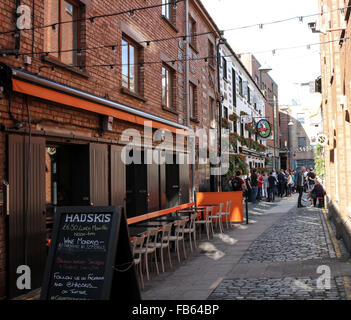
(220, 41)
(186, 73)
(186, 67)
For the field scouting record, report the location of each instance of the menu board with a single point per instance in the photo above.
(82, 254)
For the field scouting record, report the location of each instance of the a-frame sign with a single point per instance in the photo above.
(90, 256)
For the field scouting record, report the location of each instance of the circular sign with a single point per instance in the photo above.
(264, 129)
(322, 139)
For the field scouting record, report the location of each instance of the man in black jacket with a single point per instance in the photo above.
(300, 183)
(281, 183)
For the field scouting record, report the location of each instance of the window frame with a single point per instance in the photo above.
(211, 60)
(192, 101)
(225, 68)
(212, 109)
(167, 9)
(169, 89)
(136, 65)
(234, 86)
(298, 142)
(241, 88)
(192, 31)
(75, 57)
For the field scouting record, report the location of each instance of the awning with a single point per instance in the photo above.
(42, 88)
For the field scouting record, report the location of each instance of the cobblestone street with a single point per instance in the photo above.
(281, 254)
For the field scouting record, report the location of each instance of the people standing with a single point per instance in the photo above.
(274, 175)
(300, 184)
(265, 185)
(260, 186)
(294, 180)
(254, 185)
(281, 183)
(271, 187)
(248, 186)
(238, 184)
(290, 183)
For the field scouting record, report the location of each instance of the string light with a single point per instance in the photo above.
(221, 32)
(130, 11)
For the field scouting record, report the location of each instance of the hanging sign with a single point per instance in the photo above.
(322, 139)
(263, 129)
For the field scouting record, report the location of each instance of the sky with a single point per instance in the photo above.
(289, 67)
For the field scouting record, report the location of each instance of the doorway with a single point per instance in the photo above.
(67, 178)
(136, 188)
(172, 181)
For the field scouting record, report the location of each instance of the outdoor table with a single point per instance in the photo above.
(168, 219)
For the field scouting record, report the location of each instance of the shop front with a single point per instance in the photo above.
(57, 166)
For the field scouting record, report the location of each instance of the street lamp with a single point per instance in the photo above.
(290, 125)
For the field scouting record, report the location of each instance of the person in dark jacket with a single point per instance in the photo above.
(271, 186)
(300, 184)
(318, 193)
(281, 183)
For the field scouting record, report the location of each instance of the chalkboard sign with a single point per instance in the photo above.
(83, 253)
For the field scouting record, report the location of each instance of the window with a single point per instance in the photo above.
(235, 126)
(225, 71)
(129, 63)
(192, 101)
(301, 142)
(234, 87)
(166, 87)
(225, 112)
(192, 31)
(166, 9)
(240, 86)
(210, 53)
(61, 38)
(256, 79)
(248, 95)
(301, 118)
(212, 109)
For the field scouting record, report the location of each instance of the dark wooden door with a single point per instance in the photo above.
(172, 181)
(118, 177)
(136, 189)
(99, 175)
(26, 220)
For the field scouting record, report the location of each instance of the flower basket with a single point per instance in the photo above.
(233, 117)
(225, 123)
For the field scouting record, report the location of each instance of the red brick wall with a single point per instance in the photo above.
(103, 81)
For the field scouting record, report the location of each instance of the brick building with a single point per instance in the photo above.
(89, 80)
(334, 25)
(241, 96)
(270, 90)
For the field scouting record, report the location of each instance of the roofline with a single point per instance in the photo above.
(200, 5)
(247, 72)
